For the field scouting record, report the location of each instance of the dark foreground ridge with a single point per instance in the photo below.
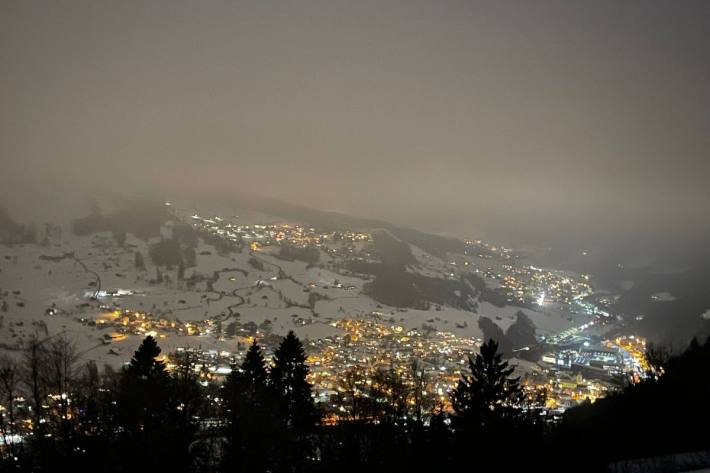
(263, 418)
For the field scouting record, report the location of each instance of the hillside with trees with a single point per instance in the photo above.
(264, 417)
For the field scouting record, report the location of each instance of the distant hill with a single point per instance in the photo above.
(12, 232)
(392, 280)
(140, 217)
(436, 245)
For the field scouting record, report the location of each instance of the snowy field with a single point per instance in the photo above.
(48, 289)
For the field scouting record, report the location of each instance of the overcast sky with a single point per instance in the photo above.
(532, 118)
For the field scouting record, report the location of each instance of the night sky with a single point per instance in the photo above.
(524, 121)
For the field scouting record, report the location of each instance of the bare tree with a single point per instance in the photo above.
(421, 383)
(90, 396)
(354, 396)
(657, 357)
(32, 375)
(392, 394)
(9, 391)
(60, 377)
(48, 373)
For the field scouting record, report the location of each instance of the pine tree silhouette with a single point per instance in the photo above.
(489, 389)
(296, 408)
(144, 409)
(139, 261)
(144, 363)
(487, 409)
(253, 424)
(252, 375)
(288, 378)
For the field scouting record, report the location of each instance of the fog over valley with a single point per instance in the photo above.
(354, 235)
(506, 121)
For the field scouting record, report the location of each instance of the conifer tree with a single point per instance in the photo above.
(487, 406)
(488, 393)
(145, 363)
(143, 408)
(296, 408)
(253, 371)
(288, 378)
(253, 424)
(521, 333)
(139, 261)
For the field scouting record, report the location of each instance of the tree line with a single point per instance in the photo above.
(263, 417)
